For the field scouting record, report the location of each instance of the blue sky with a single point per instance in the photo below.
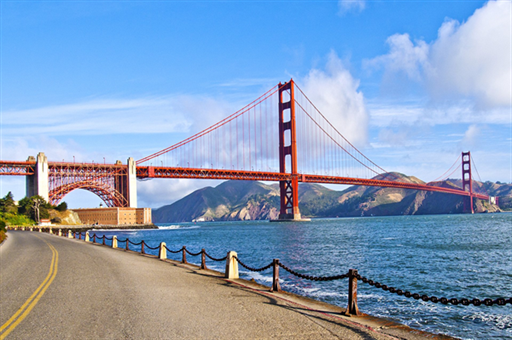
(411, 83)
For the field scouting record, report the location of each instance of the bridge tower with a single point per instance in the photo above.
(289, 190)
(467, 181)
(38, 183)
(127, 185)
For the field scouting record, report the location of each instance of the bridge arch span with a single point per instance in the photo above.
(109, 195)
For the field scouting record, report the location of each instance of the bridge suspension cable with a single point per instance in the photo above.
(445, 176)
(321, 142)
(235, 125)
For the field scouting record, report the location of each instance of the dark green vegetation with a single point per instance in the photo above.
(243, 200)
(27, 211)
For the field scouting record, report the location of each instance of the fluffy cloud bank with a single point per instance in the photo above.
(467, 61)
(335, 93)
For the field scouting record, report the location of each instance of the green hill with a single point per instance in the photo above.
(246, 200)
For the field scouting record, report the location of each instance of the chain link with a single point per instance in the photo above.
(435, 299)
(215, 259)
(400, 292)
(155, 248)
(253, 269)
(173, 251)
(135, 244)
(313, 278)
(192, 254)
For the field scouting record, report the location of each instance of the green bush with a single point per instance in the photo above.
(62, 207)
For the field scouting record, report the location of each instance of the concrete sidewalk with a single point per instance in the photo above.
(107, 293)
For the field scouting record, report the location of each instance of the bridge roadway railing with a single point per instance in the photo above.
(232, 262)
(225, 174)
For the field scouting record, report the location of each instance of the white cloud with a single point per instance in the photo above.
(473, 59)
(335, 93)
(404, 56)
(19, 148)
(471, 136)
(179, 113)
(414, 114)
(468, 61)
(351, 5)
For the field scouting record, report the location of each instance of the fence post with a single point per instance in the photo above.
(352, 308)
(163, 251)
(127, 244)
(94, 238)
(184, 254)
(40, 230)
(203, 259)
(114, 241)
(142, 247)
(60, 232)
(87, 237)
(79, 235)
(276, 287)
(231, 266)
(103, 243)
(50, 231)
(70, 234)
(31, 229)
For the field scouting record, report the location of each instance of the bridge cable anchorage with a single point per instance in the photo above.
(434, 299)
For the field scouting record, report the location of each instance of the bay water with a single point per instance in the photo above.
(452, 256)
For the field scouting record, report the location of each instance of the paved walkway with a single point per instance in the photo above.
(73, 290)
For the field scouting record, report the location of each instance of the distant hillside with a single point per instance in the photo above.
(245, 200)
(231, 200)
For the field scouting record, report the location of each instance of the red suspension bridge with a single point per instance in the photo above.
(281, 136)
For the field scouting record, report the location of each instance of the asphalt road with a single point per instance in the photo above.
(68, 289)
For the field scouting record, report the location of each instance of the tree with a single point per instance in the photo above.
(34, 207)
(62, 207)
(7, 204)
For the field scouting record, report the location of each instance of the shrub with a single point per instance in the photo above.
(62, 207)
